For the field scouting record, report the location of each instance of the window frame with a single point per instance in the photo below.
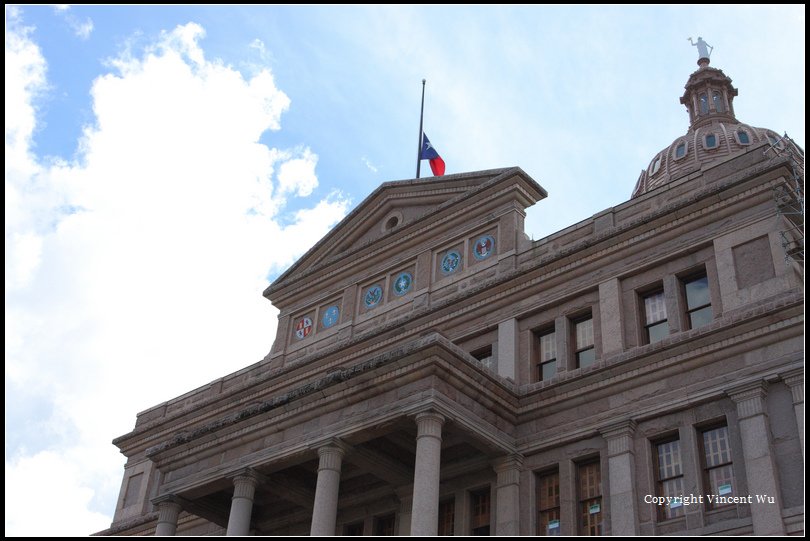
(705, 468)
(705, 139)
(539, 476)
(643, 295)
(540, 363)
(689, 310)
(582, 318)
(586, 502)
(486, 494)
(685, 144)
(662, 510)
(449, 503)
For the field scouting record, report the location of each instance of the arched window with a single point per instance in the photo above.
(655, 165)
(718, 102)
(742, 137)
(680, 150)
(710, 141)
(704, 104)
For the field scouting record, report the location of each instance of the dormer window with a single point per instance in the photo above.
(742, 137)
(680, 150)
(710, 141)
(704, 104)
(718, 102)
(655, 165)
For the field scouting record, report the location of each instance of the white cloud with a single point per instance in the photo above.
(135, 273)
(81, 28)
(370, 166)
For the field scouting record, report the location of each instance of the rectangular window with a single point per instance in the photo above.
(447, 517)
(547, 362)
(718, 474)
(698, 301)
(589, 477)
(583, 341)
(656, 326)
(384, 525)
(479, 512)
(669, 476)
(548, 504)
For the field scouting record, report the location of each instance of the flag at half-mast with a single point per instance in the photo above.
(429, 153)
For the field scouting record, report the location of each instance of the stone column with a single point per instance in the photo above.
(168, 511)
(244, 488)
(621, 475)
(760, 469)
(795, 381)
(425, 517)
(324, 512)
(507, 495)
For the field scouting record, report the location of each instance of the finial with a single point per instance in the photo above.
(704, 51)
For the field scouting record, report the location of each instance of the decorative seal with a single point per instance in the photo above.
(451, 262)
(303, 328)
(403, 284)
(484, 247)
(373, 296)
(330, 316)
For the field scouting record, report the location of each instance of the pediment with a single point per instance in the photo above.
(387, 210)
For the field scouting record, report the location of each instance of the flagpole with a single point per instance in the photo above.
(421, 116)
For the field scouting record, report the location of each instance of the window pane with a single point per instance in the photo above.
(718, 102)
(548, 370)
(701, 317)
(480, 512)
(590, 496)
(549, 491)
(743, 137)
(658, 332)
(655, 308)
(447, 517)
(584, 331)
(669, 459)
(586, 358)
(548, 346)
(711, 141)
(721, 482)
(673, 487)
(697, 292)
(680, 150)
(704, 103)
(549, 523)
(715, 447)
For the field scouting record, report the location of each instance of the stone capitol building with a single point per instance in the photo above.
(639, 372)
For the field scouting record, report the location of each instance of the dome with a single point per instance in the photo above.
(714, 132)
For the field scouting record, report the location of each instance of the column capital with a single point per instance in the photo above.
(619, 436)
(507, 462)
(245, 482)
(749, 398)
(169, 508)
(795, 382)
(330, 457)
(507, 469)
(429, 423)
(331, 442)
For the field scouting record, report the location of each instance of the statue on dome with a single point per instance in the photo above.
(704, 49)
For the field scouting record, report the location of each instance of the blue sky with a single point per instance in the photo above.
(162, 163)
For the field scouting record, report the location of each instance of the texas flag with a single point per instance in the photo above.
(429, 153)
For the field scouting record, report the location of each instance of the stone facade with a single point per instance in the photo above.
(436, 371)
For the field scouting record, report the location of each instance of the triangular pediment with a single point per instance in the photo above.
(389, 209)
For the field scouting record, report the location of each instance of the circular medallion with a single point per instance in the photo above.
(330, 316)
(451, 262)
(303, 328)
(403, 284)
(483, 247)
(373, 296)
